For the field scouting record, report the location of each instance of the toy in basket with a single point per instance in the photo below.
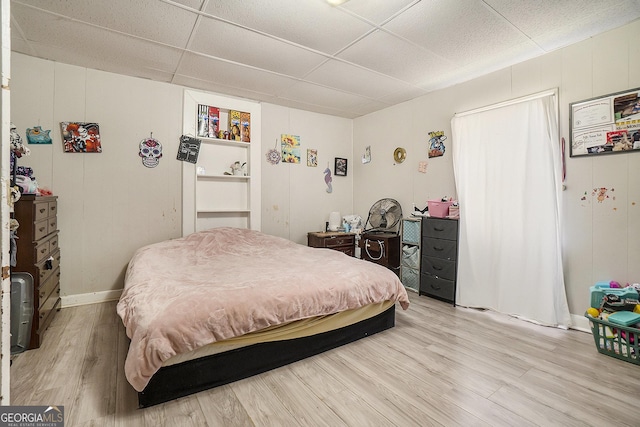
(615, 323)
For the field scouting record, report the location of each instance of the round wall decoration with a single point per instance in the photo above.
(399, 155)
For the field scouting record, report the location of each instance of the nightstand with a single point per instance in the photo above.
(343, 242)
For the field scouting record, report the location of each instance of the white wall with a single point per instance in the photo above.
(601, 240)
(294, 196)
(109, 204)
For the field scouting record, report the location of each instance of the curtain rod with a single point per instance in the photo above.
(510, 102)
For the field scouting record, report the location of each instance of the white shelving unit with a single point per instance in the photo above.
(211, 198)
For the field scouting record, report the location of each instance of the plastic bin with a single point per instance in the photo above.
(438, 209)
(21, 311)
(597, 293)
(623, 344)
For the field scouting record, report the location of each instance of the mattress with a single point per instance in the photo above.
(221, 284)
(297, 329)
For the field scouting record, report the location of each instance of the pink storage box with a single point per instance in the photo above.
(438, 209)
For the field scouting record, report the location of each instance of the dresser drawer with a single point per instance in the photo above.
(53, 242)
(52, 282)
(47, 310)
(40, 211)
(439, 248)
(46, 267)
(42, 251)
(436, 287)
(40, 229)
(332, 242)
(440, 228)
(442, 268)
(349, 250)
(52, 223)
(53, 208)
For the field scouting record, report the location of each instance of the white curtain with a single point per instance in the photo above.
(508, 170)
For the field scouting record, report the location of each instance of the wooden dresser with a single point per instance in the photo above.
(439, 258)
(38, 254)
(343, 242)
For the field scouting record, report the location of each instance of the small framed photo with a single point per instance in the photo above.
(340, 168)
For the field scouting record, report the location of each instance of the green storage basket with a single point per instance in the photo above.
(615, 340)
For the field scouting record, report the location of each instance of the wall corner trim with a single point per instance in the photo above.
(90, 298)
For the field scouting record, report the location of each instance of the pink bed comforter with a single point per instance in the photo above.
(213, 285)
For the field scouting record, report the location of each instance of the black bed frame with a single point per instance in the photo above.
(183, 379)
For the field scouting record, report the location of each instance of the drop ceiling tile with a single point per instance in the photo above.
(549, 24)
(150, 19)
(314, 23)
(376, 11)
(356, 80)
(232, 75)
(395, 57)
(312, 94)
(461, 31)
(217, 38)
(94, 47)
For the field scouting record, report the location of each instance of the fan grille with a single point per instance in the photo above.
(384, 215)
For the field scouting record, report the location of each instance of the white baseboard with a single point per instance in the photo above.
(580, 323)
(90, 298)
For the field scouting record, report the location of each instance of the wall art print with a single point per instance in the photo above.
(80, 137)
(312, 157)
(436, 143)
(37, 135)
(290, 148)
(150, 151)
(340, 167)
(188, 149)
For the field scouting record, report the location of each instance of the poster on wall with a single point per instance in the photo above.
(605, 125)
(312, 157)
(290, 148)
(80, 137)
(188, 149)
(436, 143)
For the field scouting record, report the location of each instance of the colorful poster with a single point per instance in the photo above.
(290, 148)
(78, 137)
(312, 158)
(436, 143)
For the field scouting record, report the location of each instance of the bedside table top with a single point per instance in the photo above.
(329, 233)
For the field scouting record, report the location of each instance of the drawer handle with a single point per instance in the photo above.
(41, 229)
(54, 242)
(42, 315)
(435, 267)
(437, 288)
(42, 251)
(43, 210)
(438, 248)
(41, 294)
(438, 229)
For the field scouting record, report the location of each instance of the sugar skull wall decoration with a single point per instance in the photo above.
(150, 151)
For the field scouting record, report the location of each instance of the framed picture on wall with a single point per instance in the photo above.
(340, 167)
(607, 124)
(80, 137)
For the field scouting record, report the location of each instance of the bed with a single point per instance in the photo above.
(227, 303)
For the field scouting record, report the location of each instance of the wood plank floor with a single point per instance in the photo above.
(439, 366)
